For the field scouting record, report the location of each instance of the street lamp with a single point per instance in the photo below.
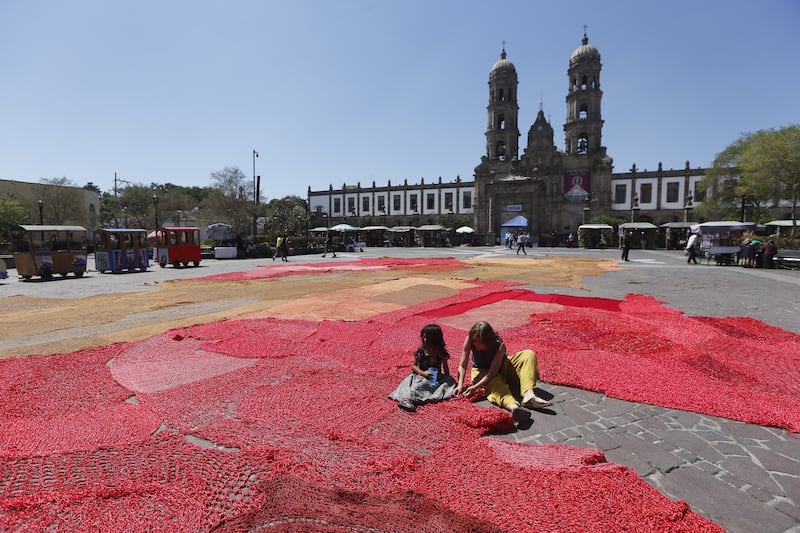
(155, 208)
(179, 212)
(125, 211)
(634, 207)
(41, 211)
(255, 196)
(687, 207)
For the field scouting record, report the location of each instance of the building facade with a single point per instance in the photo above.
(54, 204)
(553, 190)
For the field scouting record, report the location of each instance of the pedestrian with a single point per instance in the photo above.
(627, 237)
(283, 248)
(430, 379)
(770, 251)
(278, 244)
(691, 248)
(509, 381)
(328, 246)
(522, 241)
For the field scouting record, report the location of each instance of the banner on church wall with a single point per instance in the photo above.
(577, 186)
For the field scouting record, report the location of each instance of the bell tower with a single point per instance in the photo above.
(584, 124)
(502, 133)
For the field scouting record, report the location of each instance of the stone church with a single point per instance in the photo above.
(541, 190)
(547, 186)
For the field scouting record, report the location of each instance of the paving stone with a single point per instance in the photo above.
(650, 453)
(788, 446)
(775, 462)
(625, 457)
(684, 418)
(653, 422)
(791, 510)
(692, 442)
(577, 414)
(760, 494)
(742, 430)
(749, 472)
(729, 448)
(722, 503)
(790, 486)
(705, 466)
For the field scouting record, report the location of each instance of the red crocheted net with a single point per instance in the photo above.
(285, 424)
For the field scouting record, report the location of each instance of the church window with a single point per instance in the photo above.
(583, 114)
(466, 200)
(430, 201)
(672, 191)
(337, 206)
(583, 144)
(594, 82)
(620, 192)
(500, 150)
(501, 121)
(583, 83)
(365, 204)
(646, 193)
(502, 96)
(381, 203)
(396, 202)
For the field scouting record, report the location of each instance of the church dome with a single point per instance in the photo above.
(503, 64)
(585, 51)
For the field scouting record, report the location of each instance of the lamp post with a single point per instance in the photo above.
(687, 207)
(155, 208)
(41, 211)
(179, 212)
(255, 196)
(125, 212)
(634, 207)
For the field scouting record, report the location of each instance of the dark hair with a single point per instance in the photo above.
(433, 339)
(486, 333)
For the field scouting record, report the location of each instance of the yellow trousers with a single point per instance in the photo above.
(517, 374)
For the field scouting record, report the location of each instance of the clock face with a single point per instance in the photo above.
(539, 127)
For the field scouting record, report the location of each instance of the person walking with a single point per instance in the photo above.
(691, 248)
(522, 242)
(328, 245)
(627, 237)
(283, 248)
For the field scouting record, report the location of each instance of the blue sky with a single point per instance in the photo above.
(347, 91)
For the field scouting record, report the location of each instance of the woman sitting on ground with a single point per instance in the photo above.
(509, 382)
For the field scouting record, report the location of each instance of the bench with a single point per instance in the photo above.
(788, 259)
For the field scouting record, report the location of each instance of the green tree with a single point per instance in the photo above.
(230, 199)
(12, 213)
(756, 171)
(287, 215)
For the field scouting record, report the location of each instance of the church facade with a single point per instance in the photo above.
(541, 188)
